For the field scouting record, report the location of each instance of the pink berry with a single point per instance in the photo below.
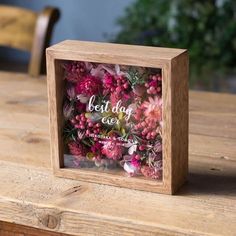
(126, 85)
(154, 77)
(73, 121)
(118, 89)
(87, 132)
(152, 88)
(143, 123)
(144, 132)
(153, 133)
(141, 147)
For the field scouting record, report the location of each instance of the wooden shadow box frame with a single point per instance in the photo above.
(174, 66)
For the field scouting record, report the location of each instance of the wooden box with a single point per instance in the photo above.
(119, 114)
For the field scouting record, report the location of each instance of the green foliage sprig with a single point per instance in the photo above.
(206, 28)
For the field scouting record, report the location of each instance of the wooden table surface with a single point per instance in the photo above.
(30, 195)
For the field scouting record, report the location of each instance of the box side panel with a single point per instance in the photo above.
(55, 91)
(167, 125)
(180, 120)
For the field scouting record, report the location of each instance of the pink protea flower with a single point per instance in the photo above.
(153, 108)
(151, 172)
(112, 149)
(88, 85)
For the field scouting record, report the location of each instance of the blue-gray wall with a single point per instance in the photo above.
(80, 19)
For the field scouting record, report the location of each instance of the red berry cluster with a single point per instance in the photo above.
(85, 125)
(147, 129)
(114, 84)
(154, 85)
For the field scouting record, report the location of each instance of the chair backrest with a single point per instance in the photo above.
(28, 31)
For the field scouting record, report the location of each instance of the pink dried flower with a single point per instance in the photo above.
(135, 162)
(151, 172)
(122, 95)
(88, 86)
(109, 82)
(112, 149)
(77, 149)
(147, 127)
(153, 108)
(75, 71)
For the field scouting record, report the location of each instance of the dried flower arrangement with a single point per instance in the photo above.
(113, 117)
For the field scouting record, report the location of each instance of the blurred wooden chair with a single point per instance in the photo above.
(29, 31)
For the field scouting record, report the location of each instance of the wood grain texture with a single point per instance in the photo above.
(28, 31)
(180, 120)
(30, 194)
(10, 229)
(174, 66)
(121, 54)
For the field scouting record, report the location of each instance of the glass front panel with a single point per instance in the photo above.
(113, 118)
